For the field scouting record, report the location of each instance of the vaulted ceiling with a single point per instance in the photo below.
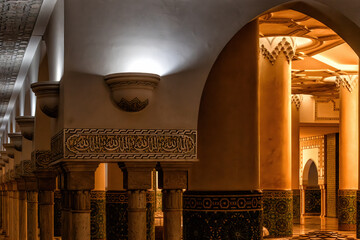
(321, 57)
(17, 21)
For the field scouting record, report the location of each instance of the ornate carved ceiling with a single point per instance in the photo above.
(319, 60)
(17, 20)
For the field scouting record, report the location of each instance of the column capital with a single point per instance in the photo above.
(173, 175)
(78, 175)
(272, 47)
(347, 81)
(296, 99)
(137, 175)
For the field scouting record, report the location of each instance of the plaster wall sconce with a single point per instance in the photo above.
(10, 149)
(16, 139)
(132, 92)
(47, 94)
(4, 156)
(26, 124)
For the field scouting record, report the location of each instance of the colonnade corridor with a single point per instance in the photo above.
(179, 119)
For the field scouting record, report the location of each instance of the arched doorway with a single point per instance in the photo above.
(228, 171)
(312, 201)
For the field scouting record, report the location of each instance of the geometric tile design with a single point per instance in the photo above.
(358, 214)
(313, 201)
(117, 217)
(17, 20)
(296, 205)
(323, 235)
(278, 212)
(57, 213)
(347, 209)
(98, 215)
(222, 215)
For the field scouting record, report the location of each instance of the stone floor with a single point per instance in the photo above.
(315, 228)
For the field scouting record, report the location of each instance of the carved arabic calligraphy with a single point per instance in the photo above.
(129, 144)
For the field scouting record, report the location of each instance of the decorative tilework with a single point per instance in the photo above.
(313, 201)
(347, 209)
(57, 213)
(222, 215)
(358, 214)
(117, 217)
(278, 212)
(98, 215)
(296, 205)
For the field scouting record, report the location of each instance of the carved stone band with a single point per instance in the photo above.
(124, 144)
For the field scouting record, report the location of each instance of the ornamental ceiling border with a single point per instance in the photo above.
(17, 21)
(124, 144)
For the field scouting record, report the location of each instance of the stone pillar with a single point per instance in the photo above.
(7, 210)
(137, 179)
(323, 200)
(77, 180)
(295, 156)
(4, 211)
(46, 184)
(15, 211)
(275, 134)
(32, 208)
(228, 147)
(22, 208)
(11, 211)
(173, 179)
(348, 153)
(1, 208)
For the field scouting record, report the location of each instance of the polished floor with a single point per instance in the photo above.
(313, 223)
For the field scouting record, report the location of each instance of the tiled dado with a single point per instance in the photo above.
(222, 215)
(117, 218)
(296, 205)
(98, 215)
(57, 213)
(358, 214)
(278, 212)
(312, 201)
(347, 209)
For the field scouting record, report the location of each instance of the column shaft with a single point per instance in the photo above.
(80, 214)
(137, 214)
(172, 208)
(4, 212)
(348, 158)
(46, 214)
(32, 215)
(22, 215)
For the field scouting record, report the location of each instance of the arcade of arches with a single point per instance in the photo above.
(177, 119)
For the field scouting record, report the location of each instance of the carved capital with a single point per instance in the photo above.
(78, 176)
(173, 175)
(137, 175)
(137, 201)
(80, 200)
(347, 81)
(172, 200)
(296, 99)
(272, 47)
(27, 168)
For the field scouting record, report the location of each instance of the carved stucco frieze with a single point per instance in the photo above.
(347, 81)
(297, 100)
(41, 159)
(27, 168)
(124, 144)
(271, 48)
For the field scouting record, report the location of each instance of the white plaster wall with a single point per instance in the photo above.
(312, 154)
(178, 39)
(325, 111)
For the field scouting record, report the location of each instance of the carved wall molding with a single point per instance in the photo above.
(41, 159)
(271, 48)
(27, 168)
(124, 144)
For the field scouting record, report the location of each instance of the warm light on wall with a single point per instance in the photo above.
(144, 65)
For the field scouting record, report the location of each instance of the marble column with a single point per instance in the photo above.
(295, 155)
(22, 208)
(11, 211)
(275, 134)
(4, 211)
(32, 208)
(77, 180)
(323, 200)
(348, 153)
(46, 185)
(15, 212)
(228, 147)
(137, 179)
(173, 179)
